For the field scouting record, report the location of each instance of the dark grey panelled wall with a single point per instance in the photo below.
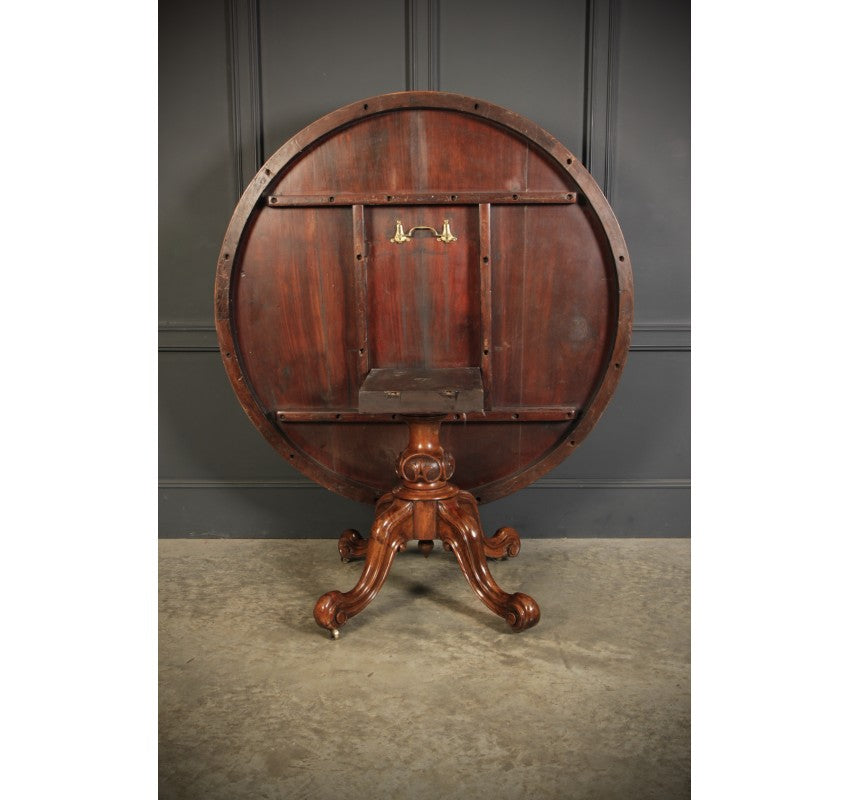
(609, 79)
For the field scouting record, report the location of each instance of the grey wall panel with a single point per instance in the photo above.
(203, 432)
(645, 431)
(650, 187)
(528, 57)
(247, 512)
(321, 55)
(256, 511)
(196, 176)
(640, 510)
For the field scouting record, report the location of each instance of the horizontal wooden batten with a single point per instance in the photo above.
(420, 198)
(548, 414)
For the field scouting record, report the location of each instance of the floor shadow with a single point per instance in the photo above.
(312, 579)
(415, 588)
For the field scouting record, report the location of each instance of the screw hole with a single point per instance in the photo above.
(226, 256)
(389, 197)
(454, 197)
(227, 355)
(331, 199)
(365, 106)
(617, 365)
(478, 499)
(359, 256)
(292, 455)
(268, 172)
(516, 197)
(272, 200)
(339, 416)
(569, 161)
(622, 258)
(486, 352)
(476, 106)
(486, 259)
(394, 416)
(572, 441)
(361, 351)
(514, 416)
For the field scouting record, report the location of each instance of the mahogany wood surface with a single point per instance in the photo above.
(535, 292)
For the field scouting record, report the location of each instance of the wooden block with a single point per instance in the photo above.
(419, 390)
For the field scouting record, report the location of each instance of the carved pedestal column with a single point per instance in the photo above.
(425, 506)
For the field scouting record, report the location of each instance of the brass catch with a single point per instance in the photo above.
(399, 233)
(400, 236)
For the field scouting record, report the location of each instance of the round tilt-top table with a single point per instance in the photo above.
(427, 274)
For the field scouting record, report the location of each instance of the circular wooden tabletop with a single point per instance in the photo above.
(423, 230)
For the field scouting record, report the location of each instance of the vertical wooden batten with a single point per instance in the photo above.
(486, 292)
(360, 263)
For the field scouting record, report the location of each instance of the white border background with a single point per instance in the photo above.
(770, 267)
(79, 400)
(770, 270)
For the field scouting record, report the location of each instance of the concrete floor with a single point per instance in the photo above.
(426, 694)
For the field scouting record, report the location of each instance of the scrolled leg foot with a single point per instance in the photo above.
(522, 611)
(504, 543)
(329, 612)
(351, 545)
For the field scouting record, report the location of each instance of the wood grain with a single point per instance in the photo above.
(311, 294)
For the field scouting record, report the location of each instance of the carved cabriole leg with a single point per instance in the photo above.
(390, 532)
(460, 529)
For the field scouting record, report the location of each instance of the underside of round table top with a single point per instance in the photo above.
(315, 289)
